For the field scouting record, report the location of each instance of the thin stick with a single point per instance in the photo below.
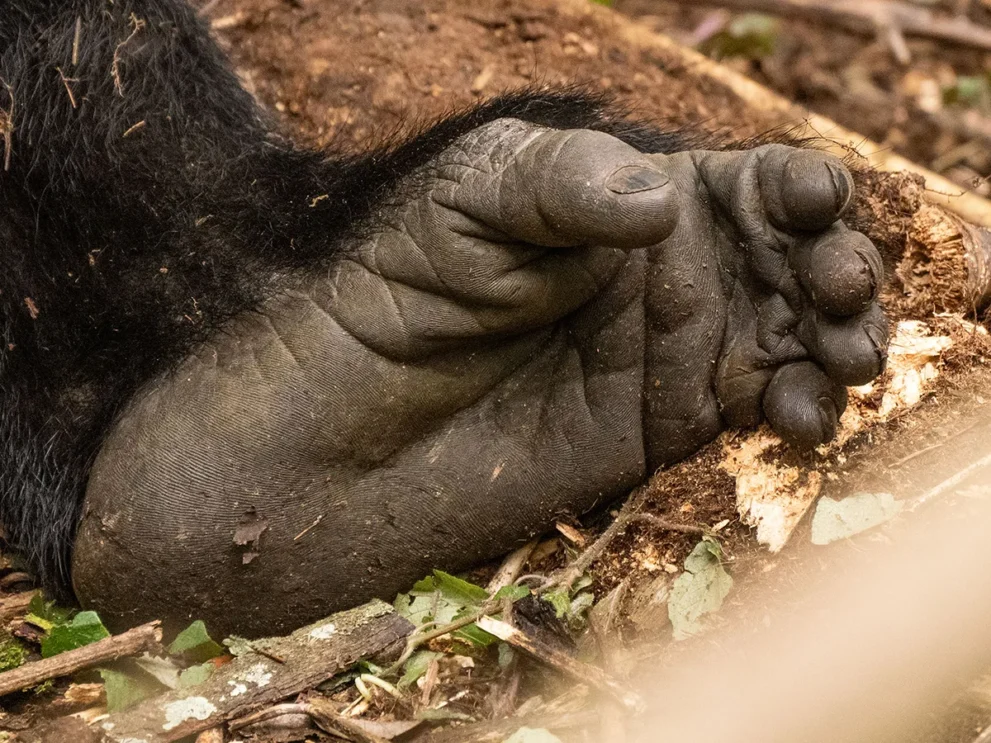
(939, 445)
(76, 39)
(328, 720)
(137, 24)
(627, 515)
(581, 672)
(147, 637)
(7, 126)
(269, 713)
(68, 88)
(951, 482)
(511, 567)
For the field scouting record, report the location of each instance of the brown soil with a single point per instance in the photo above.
(350, 72)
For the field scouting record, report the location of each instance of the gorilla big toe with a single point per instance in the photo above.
(388, 365)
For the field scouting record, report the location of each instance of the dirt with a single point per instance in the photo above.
(349, 73)
(372, 67)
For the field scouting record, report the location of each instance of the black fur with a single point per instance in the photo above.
(145, 201)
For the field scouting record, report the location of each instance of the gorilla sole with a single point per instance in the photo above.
(252, 384)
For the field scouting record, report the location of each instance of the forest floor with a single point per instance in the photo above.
(353, 74)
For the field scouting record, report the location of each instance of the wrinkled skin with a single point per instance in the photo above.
(540, 320)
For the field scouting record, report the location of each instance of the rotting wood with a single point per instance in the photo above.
(581, 672)
(213, 735)
(869, 17)
(835, 138)
(146, 638)
(312, 655)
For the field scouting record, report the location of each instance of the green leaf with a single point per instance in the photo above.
(607, 3)
(532, 735)
(459, 591)
(513, 593)
(47, 612)
(124, 690)
(835, 520)
(700, 590)
(39, 622)
(580, 605)
(506, 655)
(85, 628)
(474, 635)
(422, 609)
(751, 35)
(195, 675)
(416, 666)
(582, 583)
(560, 600)
(195, 643)
(423, 587)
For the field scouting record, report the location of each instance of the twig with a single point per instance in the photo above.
(627, 515)
(137, 24)
(269, 713)
(12, 606)
(131, 129)
(867, 16)
(7, 126)
(581, 672)
(951, 482)
(328, 720)
(511, 567)
(146, 638)
(68, 88)
(984, 737)
(420, 637)
(76, 38)
(938, 445)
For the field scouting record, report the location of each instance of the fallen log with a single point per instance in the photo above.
(310, 656)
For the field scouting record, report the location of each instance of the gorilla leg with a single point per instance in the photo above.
(288, 382)
(145, 202)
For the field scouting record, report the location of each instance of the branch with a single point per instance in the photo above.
(581, 672)
(868, 17)
(147, 637)
(836, 138)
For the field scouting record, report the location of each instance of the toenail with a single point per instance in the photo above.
(879, 337)
(636, 179)
(841, 185)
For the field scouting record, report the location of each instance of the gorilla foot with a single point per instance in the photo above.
(533, 322)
